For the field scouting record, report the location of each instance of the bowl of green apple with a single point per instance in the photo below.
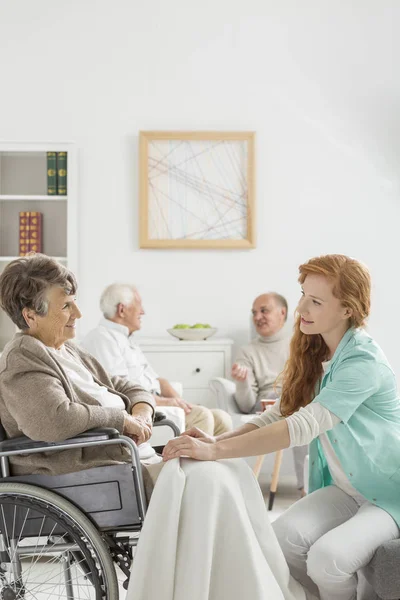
(192, 333)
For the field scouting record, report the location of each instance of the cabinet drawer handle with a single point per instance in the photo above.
(197, 370)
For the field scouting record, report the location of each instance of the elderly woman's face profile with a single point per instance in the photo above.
(58, 325)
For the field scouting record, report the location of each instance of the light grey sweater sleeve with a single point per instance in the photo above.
(309, 422)
(304, 425)
(246, 391)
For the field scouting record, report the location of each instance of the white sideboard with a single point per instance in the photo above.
(191, 363)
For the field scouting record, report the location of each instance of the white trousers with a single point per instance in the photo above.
(299, 457)
(327, 537)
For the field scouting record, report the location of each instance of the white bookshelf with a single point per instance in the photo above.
(23, 187)
(19, 197)
(6, 259)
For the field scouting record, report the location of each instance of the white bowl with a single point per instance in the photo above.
(193, 335)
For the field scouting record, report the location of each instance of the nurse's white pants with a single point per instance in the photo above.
(327, 537)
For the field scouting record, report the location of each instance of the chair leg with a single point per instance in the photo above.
(275, 477)
(258, 465)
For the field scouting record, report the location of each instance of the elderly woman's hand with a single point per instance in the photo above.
(190, 447)
(138, 428)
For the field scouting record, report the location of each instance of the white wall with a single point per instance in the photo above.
(317, 80)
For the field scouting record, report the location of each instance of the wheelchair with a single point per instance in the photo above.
(62, 535)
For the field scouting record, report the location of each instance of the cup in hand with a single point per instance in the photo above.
(267, 403)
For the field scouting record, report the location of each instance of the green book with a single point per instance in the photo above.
(51, 173)
(61, 173)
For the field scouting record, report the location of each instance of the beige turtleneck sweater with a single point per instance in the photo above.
(265, 358)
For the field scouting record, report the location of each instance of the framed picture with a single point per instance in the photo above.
(197, 189)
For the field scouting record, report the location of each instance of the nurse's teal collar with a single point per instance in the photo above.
(342, 344)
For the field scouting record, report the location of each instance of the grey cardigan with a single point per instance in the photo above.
(39, 400)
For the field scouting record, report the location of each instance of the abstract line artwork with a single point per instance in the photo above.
(197, 189)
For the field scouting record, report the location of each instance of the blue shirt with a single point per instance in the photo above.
(359, 387)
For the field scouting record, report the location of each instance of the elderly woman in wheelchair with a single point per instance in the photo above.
(72, 488)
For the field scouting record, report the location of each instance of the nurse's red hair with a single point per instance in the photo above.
(352, 286)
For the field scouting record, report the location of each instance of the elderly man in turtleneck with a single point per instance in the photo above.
(259, 363)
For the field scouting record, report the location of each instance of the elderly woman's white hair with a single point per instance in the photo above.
(114, 294)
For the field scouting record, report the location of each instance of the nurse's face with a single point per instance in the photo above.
(320, 311)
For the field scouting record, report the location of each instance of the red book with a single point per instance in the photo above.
(24, 232)
(35, 231)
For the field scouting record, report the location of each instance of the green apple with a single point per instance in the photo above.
(197, 326)
(207, 326)
(181, 326)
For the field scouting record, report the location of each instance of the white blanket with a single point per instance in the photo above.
(207, 536)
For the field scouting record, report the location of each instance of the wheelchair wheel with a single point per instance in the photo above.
(49, 549)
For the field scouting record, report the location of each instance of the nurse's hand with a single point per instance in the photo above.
(195, 432)
(190, 447)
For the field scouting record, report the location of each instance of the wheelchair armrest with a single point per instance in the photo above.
(164, 422)
(93, 435)
(109, 432)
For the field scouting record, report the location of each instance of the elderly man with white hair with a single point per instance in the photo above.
(112, 343)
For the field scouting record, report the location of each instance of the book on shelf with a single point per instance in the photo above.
(23, 233)
(35, 232)
(30, 232)
(51, 173)
(62, 173)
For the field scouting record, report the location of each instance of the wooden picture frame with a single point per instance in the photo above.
(197, 189)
